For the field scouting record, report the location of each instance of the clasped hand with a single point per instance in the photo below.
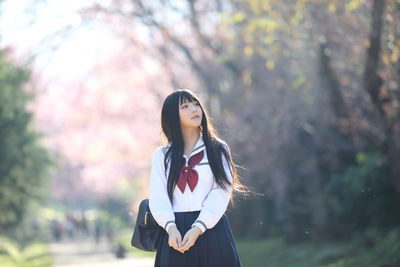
(175, 239)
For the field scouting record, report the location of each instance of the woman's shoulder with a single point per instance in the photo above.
(164, 149)
(160, 151)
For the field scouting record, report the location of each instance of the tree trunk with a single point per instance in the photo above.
(373, 83)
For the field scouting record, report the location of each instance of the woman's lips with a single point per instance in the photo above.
(195, 117)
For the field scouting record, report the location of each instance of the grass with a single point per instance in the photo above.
(369, 249)
(361, 251)
(34, 254)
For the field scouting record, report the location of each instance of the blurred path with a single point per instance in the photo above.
(84, 252)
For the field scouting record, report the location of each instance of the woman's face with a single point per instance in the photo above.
(190, 114)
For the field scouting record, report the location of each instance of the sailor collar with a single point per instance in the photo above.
(197, 148)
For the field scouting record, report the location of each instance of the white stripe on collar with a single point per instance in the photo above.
(197, 148)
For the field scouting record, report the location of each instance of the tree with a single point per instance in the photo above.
(24, 162)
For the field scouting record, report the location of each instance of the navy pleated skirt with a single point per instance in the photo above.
(214, 248)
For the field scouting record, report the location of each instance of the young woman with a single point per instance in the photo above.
(191, 184)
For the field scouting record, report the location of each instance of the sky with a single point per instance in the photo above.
(25, 25)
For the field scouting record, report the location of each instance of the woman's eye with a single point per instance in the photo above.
(185, 106)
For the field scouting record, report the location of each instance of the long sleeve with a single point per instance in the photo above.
(159, 203)
(216, 202)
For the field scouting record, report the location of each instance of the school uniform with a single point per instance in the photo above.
(197, 201)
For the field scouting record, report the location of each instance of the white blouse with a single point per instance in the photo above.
(207, 197)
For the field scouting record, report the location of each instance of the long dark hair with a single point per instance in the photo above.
(171, 128)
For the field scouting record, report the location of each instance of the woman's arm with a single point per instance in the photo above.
(159, 203)
(215, 203)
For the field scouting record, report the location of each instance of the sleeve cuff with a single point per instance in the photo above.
(168, 225)
(201, 225)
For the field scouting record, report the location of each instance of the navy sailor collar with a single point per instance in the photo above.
(199, 146)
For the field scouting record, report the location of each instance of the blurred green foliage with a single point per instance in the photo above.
(35, 254)
(24, 162)
(363, 196)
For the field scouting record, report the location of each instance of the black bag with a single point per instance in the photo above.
(147, 232)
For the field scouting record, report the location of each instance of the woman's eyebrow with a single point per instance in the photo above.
(194, 102)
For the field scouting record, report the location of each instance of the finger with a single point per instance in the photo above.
(171, 241)
(185, 239)
(178, 249)
(187, 245)
(178, 242)
(175, 243)
(186, 248)
(181, 250)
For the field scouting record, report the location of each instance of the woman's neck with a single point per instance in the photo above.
(190, 137)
